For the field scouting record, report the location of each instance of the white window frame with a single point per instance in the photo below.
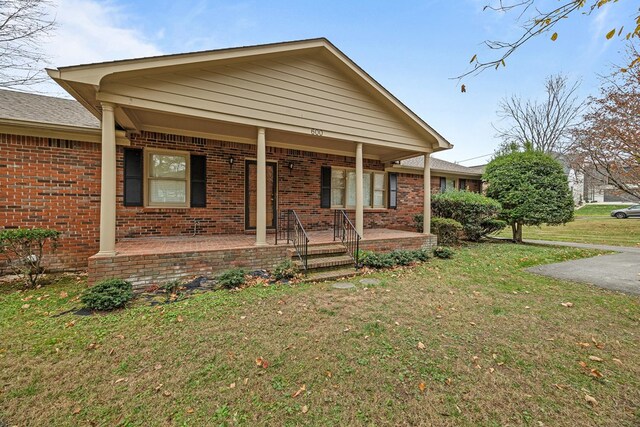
(148, 152)
(372, 189)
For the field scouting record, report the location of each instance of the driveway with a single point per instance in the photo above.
(618, 272)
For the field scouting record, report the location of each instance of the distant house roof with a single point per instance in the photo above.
(28, 107)
(439, 165)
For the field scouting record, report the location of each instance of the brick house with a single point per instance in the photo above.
(186, 164)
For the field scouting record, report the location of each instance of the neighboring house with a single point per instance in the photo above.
(446, 175)
(177, 165)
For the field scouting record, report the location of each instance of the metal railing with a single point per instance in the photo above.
(289, 228)
(344, 230)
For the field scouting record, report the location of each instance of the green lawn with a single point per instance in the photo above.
(491, 345)
(592, 224)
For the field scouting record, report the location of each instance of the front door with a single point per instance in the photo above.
(250, 197)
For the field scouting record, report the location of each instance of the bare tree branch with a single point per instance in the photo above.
(23, 25)
(544, 126)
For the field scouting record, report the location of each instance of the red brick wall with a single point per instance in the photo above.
(52, 187)
(298, 189)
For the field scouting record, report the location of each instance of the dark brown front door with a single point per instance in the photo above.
(250, 197)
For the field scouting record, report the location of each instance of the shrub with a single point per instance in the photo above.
(232, 278)
(108, 295)
(418, 219)
(469, 209)
(376, 260)
(285, 270)
(443, 252)
(493, 225)
(171, 287)
(402, 257)
(24, 248)
(446, 229)
(422, 254)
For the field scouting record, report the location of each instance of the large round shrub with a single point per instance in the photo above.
(108, 295)
(472, 210)
(446, 229)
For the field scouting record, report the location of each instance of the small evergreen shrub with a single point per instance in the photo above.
(171, 287)
(402, 257)
(376, 260)
(422, 254)
(232, 278)
(443, 252)
(446, 229)
(108, 295)
(468, 208)
(24, 248)
(285, 270)
(418, 220)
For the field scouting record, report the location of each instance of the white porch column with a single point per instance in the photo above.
(108, 183)
(261, 189)
(359, 192)
(427, 195)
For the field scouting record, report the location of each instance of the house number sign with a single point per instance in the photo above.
(316, 132)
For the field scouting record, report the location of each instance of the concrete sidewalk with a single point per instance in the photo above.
(618, 272)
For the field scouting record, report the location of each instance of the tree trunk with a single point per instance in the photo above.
(516, 229)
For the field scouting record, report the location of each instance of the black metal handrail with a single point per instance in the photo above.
(289, 228)
(344, 230)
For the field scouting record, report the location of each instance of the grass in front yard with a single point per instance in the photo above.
(588, 227)
(497, 348)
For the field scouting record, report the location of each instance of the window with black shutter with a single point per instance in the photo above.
(393, 190)
(198, 181)
(133, 177)
(325, 187)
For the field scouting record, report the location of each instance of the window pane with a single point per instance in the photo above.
(351, 188)
(337, 178)
(378, 181)
(162, 191)
(378, 199)
(366, 184)
(337, 197)
(167, 166)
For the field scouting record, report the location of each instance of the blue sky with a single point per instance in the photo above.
(413, 48)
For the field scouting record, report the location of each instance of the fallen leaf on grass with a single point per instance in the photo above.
(77, 410)
(596, 373)
(167, 393)
(421, 346)
(422, 387)
(618, 361)
(232, 385)
(583, 364)
(180, 319)
(597, 344)
(262, 363)
(584, 344)
(566, 304)
(591, 400)
(305, 409)
(158, 387)
(119, 380)
(92, 346)
(189, 410)
(300, 390)
(157, 367)
(595, 358)
(329, 374)
(63, 294)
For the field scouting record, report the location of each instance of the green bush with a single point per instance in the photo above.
(107, 295)
(421, 254)
(285, 270)
(402, 257)
(375, 260)
(470, 209)
(446, 229)
(493, 225)
(232, 278)
(24, 248)
(443, 252)
(418, 219)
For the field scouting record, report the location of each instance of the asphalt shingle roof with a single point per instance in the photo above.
(443, 165)
(45, 109)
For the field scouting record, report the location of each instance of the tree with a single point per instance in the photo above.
(23, 24)
(532, 188)
(538, 18)
(608, 140)
(545, 126)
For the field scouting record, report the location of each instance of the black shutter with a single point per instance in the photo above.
(133, 177)
(393, 190)
(198, 181)
(325, 187)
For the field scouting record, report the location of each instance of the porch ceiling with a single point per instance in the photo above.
(157, 121)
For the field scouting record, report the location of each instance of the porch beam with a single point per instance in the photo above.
(359, 191)
(261, 189)
(426, 229)
(108, 183)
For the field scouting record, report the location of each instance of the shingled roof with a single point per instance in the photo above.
(28, 107)
(439, 165)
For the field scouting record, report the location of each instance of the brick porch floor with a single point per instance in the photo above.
(157, 260)
(179, 244)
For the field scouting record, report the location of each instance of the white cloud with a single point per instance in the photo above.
(88, 31)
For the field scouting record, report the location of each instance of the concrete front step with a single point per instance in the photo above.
(316, 251)
(323, 276)
(326, 262)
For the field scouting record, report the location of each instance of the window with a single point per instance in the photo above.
(343, 188)
(167, 178)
